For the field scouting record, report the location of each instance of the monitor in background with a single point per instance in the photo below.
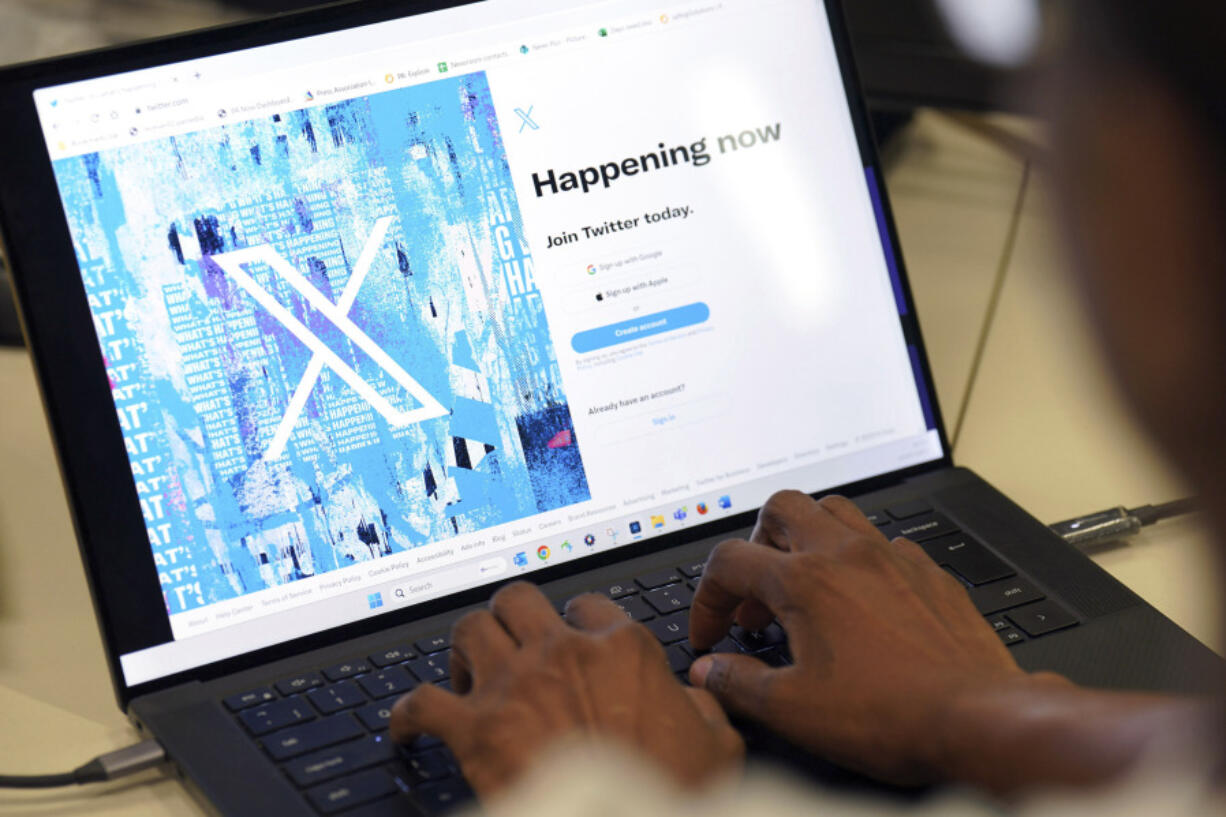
(907, 59)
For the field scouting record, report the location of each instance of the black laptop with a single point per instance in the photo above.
(346, 318)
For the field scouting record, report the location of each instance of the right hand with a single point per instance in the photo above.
(883, 639)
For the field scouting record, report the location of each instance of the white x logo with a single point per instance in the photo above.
(233, 263)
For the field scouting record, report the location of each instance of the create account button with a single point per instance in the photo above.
(669, 320)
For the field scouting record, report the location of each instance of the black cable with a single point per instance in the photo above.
(91, 772)
(110, 766)
(1149, 514)
(1116, 523)
(37, 781)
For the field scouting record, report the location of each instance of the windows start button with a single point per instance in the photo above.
(670, 320)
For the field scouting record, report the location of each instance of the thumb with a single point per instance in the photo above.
(708, 708)
(741, 683)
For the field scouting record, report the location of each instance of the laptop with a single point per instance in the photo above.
(344, 319)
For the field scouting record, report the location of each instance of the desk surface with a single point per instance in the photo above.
(1042, 424)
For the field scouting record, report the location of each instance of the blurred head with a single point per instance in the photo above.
(1137, 99)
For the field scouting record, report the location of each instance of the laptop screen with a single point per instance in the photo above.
(406, 309)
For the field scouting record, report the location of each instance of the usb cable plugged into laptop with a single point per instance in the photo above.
(110, 766)
(1116, 523)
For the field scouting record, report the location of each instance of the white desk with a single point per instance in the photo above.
(1042, 425)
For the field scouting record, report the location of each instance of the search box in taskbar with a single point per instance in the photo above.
(420, 588)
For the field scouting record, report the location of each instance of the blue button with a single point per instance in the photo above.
(667, 321)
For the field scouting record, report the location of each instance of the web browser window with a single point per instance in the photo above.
(398, 311)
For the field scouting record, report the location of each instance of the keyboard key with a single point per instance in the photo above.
(431, 668)
(635, 608)
(340, 696)
(440, 798)
(678, 659)
(1039, 619)
(354, 790)
(879, 518)
(650, 581)
(434, 644)
(671, 628)
(998, 596)
(371, 750)
(298, 740)
(957, 577)
(619, 589)
(340, 672)
(726, 644)
(376, 716)
(923, 528)
(399, 805)
(906, 510)
(693, 570)
(276, 715)
(300, 683)
(427, 767)
(395, 655)
(969, 559)
(243, 700)
(999, 623)
(391, 681)
(755, 640)
(422, 743)
(1011, 637)
(670, 599)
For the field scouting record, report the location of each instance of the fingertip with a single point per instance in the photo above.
(753, 615)
(704, 635)
(429, 710)
(461, 673)
(401, 725)
(593, 612)
(700, 669)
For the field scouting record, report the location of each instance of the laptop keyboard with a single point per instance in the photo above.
(327, 729)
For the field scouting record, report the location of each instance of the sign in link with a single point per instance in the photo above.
(669, 320)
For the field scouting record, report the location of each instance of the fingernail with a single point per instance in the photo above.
(700, 669)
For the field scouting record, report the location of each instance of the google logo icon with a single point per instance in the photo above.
(542, 552)
(591, 269)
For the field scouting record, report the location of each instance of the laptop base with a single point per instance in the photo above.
(1118, 642)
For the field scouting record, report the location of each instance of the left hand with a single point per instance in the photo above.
(523, 679)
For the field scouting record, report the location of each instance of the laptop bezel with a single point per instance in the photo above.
(111, 531)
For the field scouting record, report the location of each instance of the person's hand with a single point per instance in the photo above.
(524, 679)
(883, 639)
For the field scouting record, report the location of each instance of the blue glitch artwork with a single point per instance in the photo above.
(323, 335)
